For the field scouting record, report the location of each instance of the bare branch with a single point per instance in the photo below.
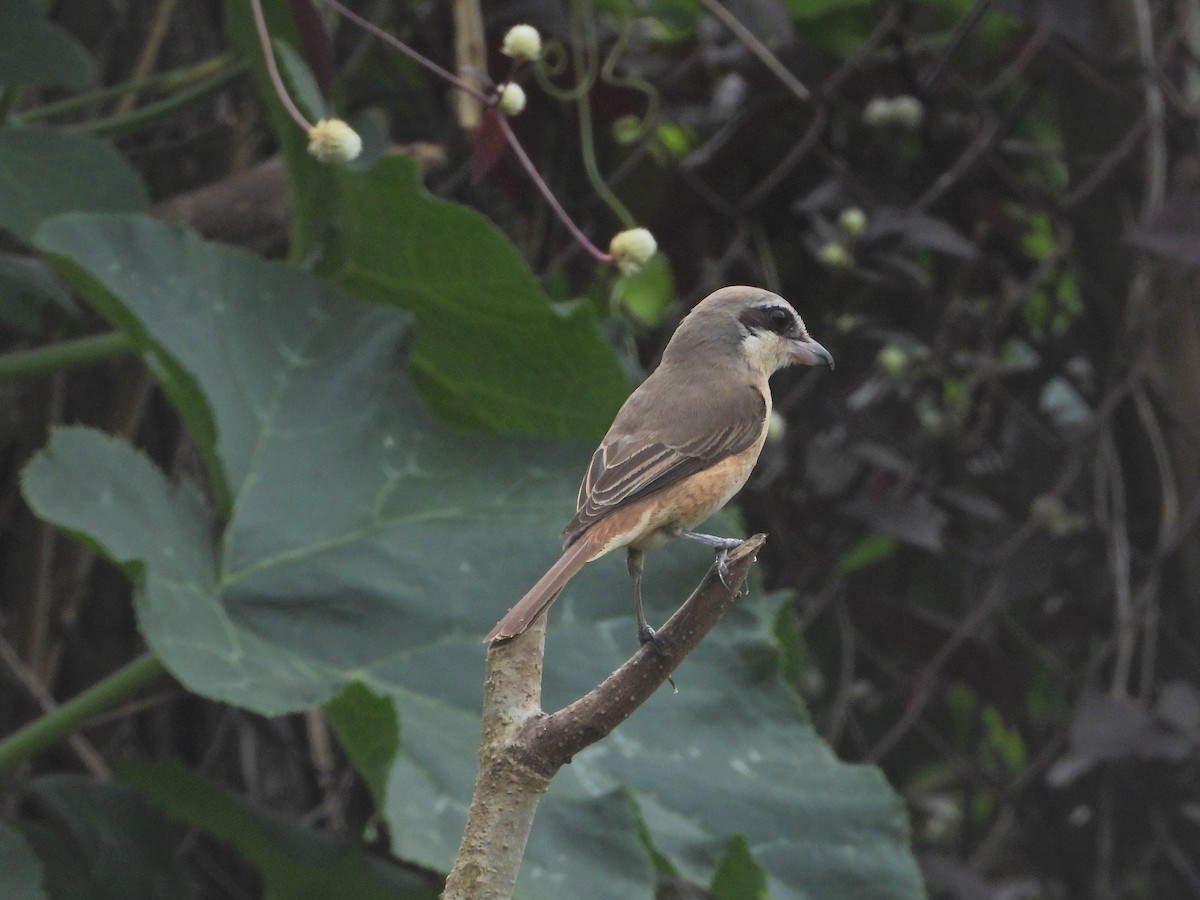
(523, 747)
(555, 739)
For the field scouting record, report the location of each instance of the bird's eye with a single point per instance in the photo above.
(779, 320)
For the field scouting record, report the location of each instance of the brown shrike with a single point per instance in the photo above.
(682, 445)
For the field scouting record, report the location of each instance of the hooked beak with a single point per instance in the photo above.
(808, 352)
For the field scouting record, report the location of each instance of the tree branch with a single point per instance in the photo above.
(523, 747)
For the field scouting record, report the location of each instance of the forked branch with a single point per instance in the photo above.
(523, 747)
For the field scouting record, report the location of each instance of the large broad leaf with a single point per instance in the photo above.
(295, 863)
(366, 543)
(731, 753)
(34, 51)
(20, 870)
(358, 526)
(370, 732)
(491, 351)
(102, 840)
(46, 171)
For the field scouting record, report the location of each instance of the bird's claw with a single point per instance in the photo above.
(722, 565)
(647, 635)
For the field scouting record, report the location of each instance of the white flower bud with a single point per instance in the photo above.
(512, 99)
(836, 256)
(333, 141)
(776, 427)
(905, 111)
(908, 111)
(853, 220)
(1051, 512)
(893, 360)
(522, 42)
(632, 249)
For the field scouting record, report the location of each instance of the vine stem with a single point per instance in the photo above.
(100, 697)
(488, 99)
(63, 356)
(592, 250)
(421, 60)
(151, 113)
(163, 82)
(264, 38)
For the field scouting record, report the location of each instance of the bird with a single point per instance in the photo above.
(681, 446)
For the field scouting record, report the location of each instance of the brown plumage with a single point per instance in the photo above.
(683, 443)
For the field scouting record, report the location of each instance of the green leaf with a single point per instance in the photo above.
(367, 726)
(730, 753)
(302, 85)
(103, 840)
(793, 652)
(738, 876)
(366, 543)
(492, 352)
(648, 292)
(45, 171)
(870, 550)
(36, 52)
(32, 292)
(20, 870)
(315, 204)
(357, 525)
(295, 862)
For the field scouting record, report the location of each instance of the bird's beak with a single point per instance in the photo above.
(808, 352)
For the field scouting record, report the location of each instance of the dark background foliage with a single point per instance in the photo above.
(987, 515)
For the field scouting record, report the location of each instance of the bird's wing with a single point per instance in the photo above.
(634, 465)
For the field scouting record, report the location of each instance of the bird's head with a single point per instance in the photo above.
(751, 323)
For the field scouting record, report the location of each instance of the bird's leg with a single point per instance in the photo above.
(633, 561)
(722, 546)
(646, 634)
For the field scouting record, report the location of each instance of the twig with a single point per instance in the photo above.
(792, 159)
(149, 55)
(64, 356)
(582, 239)
(962, 30)
(1156, 145)
(393, 41)
(470, 56)
(1105, 167)
(523, 747)
(854, 62)
(1110, 484)
(1030, 50)
(1105, 837)
(264, 38)
(982, 144)
(79, 710)
(88, 755)
(926, 682)
(555, 739)
(839, 708)
(755, 46)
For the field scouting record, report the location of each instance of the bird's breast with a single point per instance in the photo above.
(652, 521)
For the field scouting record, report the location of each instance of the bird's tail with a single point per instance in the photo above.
(541, 595)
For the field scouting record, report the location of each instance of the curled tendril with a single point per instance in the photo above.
(608, 75)
(553, 63)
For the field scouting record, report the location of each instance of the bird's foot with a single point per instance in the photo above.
(722, 546)
(647, 635)
(722, 564)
